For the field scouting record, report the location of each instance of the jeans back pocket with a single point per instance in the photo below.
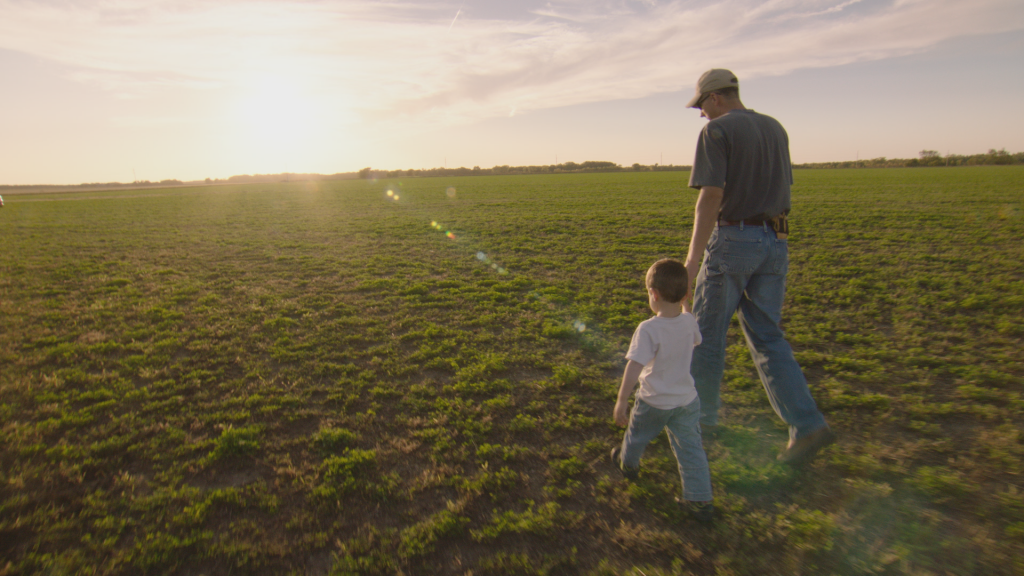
(741, 255)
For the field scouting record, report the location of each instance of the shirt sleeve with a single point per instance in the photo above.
(789, 162)
(641, 347)
(711, 158)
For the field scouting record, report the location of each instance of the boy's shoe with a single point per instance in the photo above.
(629, 473)
(703, 512)
(800, 452)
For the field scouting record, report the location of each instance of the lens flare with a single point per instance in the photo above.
(450, 191)
(480, 254)
(579, 326)
(391, 192)
(396, 196)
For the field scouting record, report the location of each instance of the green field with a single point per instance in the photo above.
(316, 378)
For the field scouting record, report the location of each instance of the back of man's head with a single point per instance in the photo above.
(730, 93)
(717, 80)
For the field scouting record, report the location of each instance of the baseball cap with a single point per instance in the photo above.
(714, 79)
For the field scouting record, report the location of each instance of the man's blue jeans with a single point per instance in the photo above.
(646, 423)
(745, 269)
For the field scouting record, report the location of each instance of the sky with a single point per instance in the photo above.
(125, 90)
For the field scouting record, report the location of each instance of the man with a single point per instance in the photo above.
(743, 172)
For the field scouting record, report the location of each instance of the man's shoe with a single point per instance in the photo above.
(629, 473)
(801, 450)
(703, 512)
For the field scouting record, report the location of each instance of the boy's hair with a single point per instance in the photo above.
(668, 276)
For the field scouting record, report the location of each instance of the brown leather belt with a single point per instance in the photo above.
(744, 222)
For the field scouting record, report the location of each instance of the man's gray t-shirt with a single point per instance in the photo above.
(746, 154)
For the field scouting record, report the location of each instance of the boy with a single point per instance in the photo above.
(659, 357)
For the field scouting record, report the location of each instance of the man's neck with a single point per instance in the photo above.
(722, 109)
(733, 105)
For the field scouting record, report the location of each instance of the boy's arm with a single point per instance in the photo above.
(629, 379)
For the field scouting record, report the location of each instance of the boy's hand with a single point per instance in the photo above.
(620, 414)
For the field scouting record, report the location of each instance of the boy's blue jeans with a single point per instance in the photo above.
(646, 422)
(745, 269)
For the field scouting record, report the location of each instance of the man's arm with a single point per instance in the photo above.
(705, 216)
(629, 380)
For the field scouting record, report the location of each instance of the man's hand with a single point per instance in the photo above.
(620, 414)
(692, 269)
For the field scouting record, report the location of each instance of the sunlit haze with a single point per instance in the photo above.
(100, 91)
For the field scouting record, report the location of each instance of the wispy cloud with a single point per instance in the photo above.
(408, 62)
(454, 19)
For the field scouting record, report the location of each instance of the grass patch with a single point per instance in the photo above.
(299, 377)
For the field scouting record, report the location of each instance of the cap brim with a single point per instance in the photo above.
(693, 101)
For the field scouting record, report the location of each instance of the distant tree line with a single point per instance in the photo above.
(283, 177)
(505, 169)
(40, 188)
(927, 158)
(240, 179)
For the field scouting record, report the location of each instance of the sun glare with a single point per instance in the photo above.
(277, 109)
(282, 123)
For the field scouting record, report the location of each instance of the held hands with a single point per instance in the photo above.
(620, 414)
(692, 269)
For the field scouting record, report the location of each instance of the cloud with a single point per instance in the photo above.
(409, 63)
(145, 122)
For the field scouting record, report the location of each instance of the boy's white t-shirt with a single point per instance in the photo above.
(665, 347)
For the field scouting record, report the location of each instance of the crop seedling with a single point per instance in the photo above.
(295, 377)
